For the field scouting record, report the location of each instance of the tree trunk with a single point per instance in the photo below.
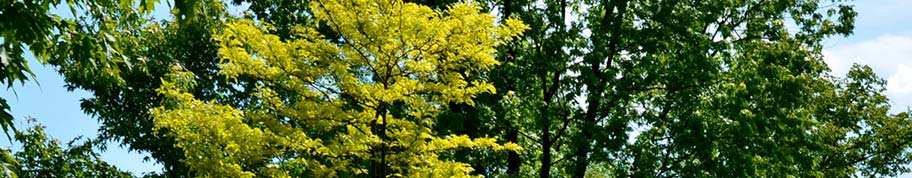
(545, 171)
(513, 160)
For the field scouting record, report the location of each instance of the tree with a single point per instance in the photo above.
(688, 88)
(29, 27)
(115, 50)
(146, 48)
(712, 88)
(598, 88)
(22, 24)
(362, 107)
(42, 156)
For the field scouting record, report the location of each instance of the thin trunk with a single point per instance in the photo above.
(380, 168)
(598, 86)
(547, 141)
(513, 160)
(545, 171)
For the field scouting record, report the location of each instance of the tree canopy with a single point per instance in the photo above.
(493, 88)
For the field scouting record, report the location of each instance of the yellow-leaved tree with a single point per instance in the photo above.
(357, 105)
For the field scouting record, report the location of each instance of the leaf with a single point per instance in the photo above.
(6, 119)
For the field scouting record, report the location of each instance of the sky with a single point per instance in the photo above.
(882, 40)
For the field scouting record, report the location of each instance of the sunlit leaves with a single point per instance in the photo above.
(43, 156)
(328, 108)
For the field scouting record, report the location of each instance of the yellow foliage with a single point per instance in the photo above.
(334, 116)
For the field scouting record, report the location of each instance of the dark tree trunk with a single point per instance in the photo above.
(545, 171)
(513, 160)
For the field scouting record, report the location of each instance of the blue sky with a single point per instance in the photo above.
(882, 40)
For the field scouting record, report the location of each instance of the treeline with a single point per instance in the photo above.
(442, 88)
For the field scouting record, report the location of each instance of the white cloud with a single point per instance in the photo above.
(882, 54)
(901, 80)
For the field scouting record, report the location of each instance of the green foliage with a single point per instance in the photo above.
(111, 48)
(8, 164)
(22, 24)
(124, 92)
(28, 25)
(682, 89)
(42, 156)
(597, 88)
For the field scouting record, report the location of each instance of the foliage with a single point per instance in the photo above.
(597, 88)
(22, 24)
(361, 107)
(111, 48)
(139, 50)
(42, 156)
(28, 26)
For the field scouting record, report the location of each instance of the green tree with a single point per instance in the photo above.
(598, 88)
(30, 27)
(689, 88)
(42, 156)
(117, 51)
(22, 24)
(124, 92)
(122, 100)
(712, 88)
